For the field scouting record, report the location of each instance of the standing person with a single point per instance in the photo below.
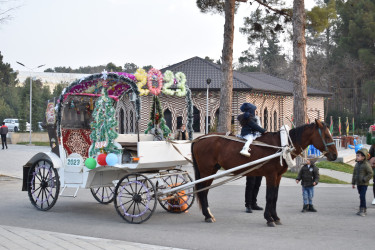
(4, 132)
(182, 134)
(251, 193)
(250, 127)
(372, 164)
(309, 174)
(362, 174)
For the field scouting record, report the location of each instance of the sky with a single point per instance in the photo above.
(95, 32)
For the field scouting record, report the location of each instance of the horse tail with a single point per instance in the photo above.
(197, 174)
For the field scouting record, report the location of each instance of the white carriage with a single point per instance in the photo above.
(143, 169)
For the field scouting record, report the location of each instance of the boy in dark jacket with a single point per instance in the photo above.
(309, 174)
(362, 174)
(249, 125)
(372, 164)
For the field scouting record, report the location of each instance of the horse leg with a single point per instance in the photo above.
(202, 197)
(274, 213)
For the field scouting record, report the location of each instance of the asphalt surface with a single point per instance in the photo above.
(334, 226)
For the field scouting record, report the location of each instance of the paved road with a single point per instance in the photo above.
(335, 226)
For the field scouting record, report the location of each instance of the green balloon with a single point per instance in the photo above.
(90, 163)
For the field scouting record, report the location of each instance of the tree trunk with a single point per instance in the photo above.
(358, 98)
(226, 90)
(299, 64)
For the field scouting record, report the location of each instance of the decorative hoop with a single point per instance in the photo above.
(141, 77)
(155, 91)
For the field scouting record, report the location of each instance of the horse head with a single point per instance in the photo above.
(322, 140)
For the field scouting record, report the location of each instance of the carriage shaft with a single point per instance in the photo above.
(221, 174)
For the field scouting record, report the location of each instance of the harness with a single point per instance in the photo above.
(324, 142)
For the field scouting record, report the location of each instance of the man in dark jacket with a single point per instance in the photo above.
(4, 132)
(309, 174)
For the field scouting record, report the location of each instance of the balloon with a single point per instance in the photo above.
(90, 163)
(101, 159)
(111, 159)
(358, 147)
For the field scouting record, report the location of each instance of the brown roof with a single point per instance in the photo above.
(198, 70)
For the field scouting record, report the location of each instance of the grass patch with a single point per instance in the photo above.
(36, 143)
(337, 166)
(323, 178)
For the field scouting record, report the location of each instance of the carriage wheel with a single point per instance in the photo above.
(135, 199)
(44, 185)
(183, 199)
(103, 195)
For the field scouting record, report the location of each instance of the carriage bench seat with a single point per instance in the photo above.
(130, 140)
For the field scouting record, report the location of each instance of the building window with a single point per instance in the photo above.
(168, 118)
(197, 119)
(265, 117)
(274, 121)
(131, 125)
(179, 121)
(121, 127)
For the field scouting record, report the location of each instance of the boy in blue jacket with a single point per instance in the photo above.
(250, 126)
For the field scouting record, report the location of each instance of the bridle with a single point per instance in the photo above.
(324, 142)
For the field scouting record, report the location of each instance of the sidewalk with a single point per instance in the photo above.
(24, 238)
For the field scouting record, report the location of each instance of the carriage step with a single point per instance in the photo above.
(74, 195)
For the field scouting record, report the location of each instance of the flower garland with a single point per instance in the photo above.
(141, 77)
(86, 82)
(154, 72)
(181, 79)
(169, 79)
(190, 116)
(157, 119)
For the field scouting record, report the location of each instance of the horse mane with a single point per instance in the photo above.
(296, 133)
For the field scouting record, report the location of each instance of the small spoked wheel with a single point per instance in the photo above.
(180, 201)
(103, 195)
(135, 199)
(43, 185)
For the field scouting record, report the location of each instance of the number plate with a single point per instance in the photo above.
(74, 160)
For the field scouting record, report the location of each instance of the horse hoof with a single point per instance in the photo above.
(210, 220)
(271, 224)
(278, 222)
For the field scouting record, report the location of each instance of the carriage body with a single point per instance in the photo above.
(141, 162)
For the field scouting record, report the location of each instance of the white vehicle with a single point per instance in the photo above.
(13, 124)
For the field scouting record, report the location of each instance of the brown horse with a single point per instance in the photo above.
(212, 153)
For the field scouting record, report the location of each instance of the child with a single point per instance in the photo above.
(249, 125)
(362, 174)
(372, 164)
(309, 174)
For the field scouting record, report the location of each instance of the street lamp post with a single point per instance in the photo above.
(208, 81)
(31, 94)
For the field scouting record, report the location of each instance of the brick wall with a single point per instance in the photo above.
(273, 110)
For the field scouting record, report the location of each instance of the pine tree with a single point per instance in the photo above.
(103, 125)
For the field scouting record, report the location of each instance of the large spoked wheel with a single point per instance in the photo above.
(135, 199)
(103, 195)
(44, 185)
(182, 200)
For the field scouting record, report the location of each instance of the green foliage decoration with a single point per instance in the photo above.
(157, 119)
(104, 124)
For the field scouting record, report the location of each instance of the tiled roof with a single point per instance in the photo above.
(197, 70)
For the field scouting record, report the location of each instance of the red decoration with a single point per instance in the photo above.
(101, 159)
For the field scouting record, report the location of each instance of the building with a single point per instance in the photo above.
(273, 97)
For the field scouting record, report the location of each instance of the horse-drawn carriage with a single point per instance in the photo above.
(137, 172)
(140, 169)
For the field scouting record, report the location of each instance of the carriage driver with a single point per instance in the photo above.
(250, 126)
